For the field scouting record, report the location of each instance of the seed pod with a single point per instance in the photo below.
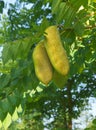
(59, 80)
(43, 68)
(56, 51)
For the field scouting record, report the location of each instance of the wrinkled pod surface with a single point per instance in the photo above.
(43, 67)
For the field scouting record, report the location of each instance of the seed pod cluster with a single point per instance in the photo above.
(43, 68)
(56, 51)
(49, 54)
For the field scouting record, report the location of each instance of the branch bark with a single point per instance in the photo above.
(70, 106)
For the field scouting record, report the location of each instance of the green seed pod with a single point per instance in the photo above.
(56, 51)
(43, 68)
(59, 80)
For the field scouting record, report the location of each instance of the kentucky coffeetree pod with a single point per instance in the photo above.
(43, 67)
(56, 51)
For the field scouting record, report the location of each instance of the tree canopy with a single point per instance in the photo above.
(25, 103)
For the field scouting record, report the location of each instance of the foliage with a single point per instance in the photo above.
(1, 6)
(21, 30)
(92, 126)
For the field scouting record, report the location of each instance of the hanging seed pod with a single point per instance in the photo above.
(56, 51)
(43, 68)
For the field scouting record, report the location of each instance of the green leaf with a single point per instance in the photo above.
(15, 115)
(78, 28)
(68, 36)
(14, 82)
(6, 55)
(94, 1)
(62, 9)
(0, 124)
(15, 73)
(45, 23)
(19, 109)
(55, 5)
(4, 80)
(14, 100)
(7, 121)
(1, 6)
(94, 121)
(87, 129)
(77, 3)
(65, 14)
(2, 114)
(66, 11)
(25, 45)
(6, 106)
(16, 49)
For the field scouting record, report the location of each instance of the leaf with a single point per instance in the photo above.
(1, 6)
(14, 82)
(55, 5)
(87, 129)
(77, 3)
(61, 11)
(44, 25)
(69, 16)
(2, 114)
(6, 106)
(78, 28)
(4, 80)
(15, 73)
(16, 49)
(66, 11)
(66, 14)
(7, 121)
(0, 124)
(94, 1)
(6, 53)
(15, 115)
(25, 45)
(94, 121)
(19, 109)
(14, 100)
(68, 36)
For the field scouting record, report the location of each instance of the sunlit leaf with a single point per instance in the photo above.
(0, 124)
(7, 121)
(15, 115)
